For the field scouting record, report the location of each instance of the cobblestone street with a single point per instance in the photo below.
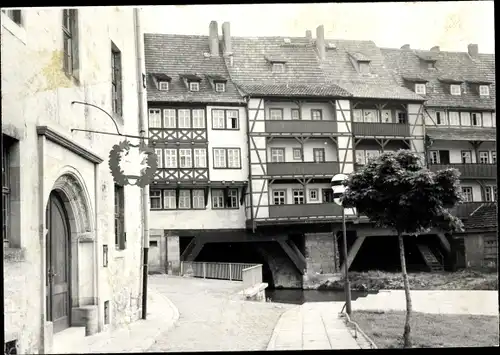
(212, 318)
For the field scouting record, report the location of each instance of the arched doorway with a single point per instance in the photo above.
(58, 249)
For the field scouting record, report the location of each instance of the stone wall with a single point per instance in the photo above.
(320, 253)
(285, 274)
(481, 250)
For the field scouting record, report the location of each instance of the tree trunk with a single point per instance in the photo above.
(407, 329)
(336, 255)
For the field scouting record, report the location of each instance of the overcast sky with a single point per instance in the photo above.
(450, 25)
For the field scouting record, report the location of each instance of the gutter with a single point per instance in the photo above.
(142, 131)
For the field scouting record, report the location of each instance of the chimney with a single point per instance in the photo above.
(320, 41)
(213, 39)
(473, 50)
(309, 34)
(435, 49)
(405, 46)
(226, 35)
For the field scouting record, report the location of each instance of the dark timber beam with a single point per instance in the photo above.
(444, 242)
(299, 264)
(353, 252)
(297, 251)
(196, 250)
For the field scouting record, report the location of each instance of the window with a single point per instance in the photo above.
(275, 114)
(295, 114)
(327, 195)
(14, 15)
(319, 155)
(218, 117)
(198, 199)
(154, 118)
(420, 89)
(455, 89)
(313, 195)
(185, 159)
(279, 197)
(169, 118)
(493, 157)
(441, 118)
(484, 157)
(364, 68)
(297, 153)
(184, 118)
(316, 115)
(220, 87)
(233, 158)
(70, 41)
(232, 198)
(467, 193)
(163, 85)
(200, 158)
(171, 158)
(434, 157)
(465, 118)
(484, 90)
(466, 157)
(386, 116)
(120, 238)
(194, 86)
(6, 211)
(370, 116)
(184, 199)
(372, 154)
(116, 79)
(169, 200)
(219, 157)
(277, 155)
(278, 68)
(155, 198)
(298, 196)
(357, 115)
(402, 118)
(199, 118)
(454, 118)
(159, 155)
(232, 118)
(217, 199)
(488, 194)
(475, 119)
(360, 157)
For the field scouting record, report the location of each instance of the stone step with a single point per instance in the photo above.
(65, 340)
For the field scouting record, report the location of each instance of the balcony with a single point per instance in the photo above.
(305, 210)
(329, 169)
(469, 171)
(301, 126)
(381, 129)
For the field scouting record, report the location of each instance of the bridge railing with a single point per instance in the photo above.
(213, 270)
(252, 276)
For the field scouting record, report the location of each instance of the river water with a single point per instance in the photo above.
(297, 296)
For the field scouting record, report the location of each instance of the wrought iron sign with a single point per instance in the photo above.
(130, 164)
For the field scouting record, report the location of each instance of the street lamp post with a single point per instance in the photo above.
(338, 191)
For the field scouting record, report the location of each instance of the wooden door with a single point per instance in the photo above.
(58, 261)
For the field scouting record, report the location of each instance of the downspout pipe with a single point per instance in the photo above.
(139, 47)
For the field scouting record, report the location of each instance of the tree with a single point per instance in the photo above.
(396, 191)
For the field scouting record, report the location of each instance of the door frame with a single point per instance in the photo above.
(55, 196)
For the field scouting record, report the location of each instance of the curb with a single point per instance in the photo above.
(357, 330)
(272, 341)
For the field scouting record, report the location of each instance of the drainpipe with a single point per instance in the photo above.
(142, 130)
(97, 262)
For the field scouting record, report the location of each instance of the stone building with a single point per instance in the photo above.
(72, 237)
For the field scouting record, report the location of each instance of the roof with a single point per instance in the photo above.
(484, 217)
(380, 84)
(161, 76)
(449, 67)
(295, 90)
(462, 134)
(177, 55)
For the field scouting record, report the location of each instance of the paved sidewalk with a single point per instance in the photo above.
(312, 326)
(139, 335)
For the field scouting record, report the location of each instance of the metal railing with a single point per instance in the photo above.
(252, 276)
(211, 270)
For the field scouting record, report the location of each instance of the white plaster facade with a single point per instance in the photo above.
(36, 92)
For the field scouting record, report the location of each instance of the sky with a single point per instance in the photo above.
(450, 25)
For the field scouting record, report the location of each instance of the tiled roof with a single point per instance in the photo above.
(462, 134)
(295, 90)
(339, 69)
(458, 66)
(484, 217)
(177, 55)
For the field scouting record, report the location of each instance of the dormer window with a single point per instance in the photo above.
(455, 89)
(278, 67)
(484, 90)
(364, 68)
(163, 85)
(194, 86)
(220, 87)
(420, 89)
(431, 65)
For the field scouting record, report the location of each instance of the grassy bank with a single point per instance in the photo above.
(380, 280)
(428, 330)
